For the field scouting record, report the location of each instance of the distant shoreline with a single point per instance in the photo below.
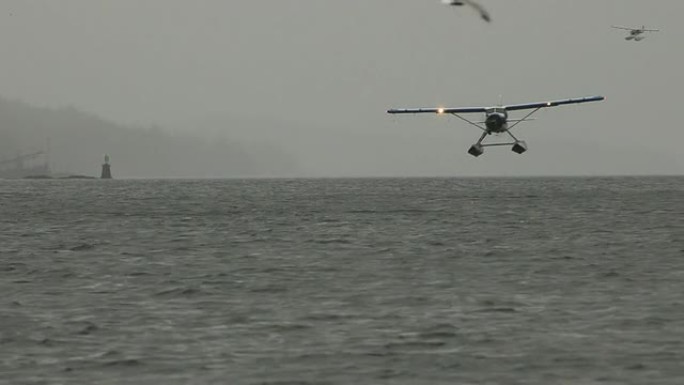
(41, 177)
(266, 178)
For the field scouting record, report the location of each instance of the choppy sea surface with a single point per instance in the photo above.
(343, 281)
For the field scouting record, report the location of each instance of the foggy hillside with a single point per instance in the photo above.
(77, 142)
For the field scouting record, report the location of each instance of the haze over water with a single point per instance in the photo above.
(303, 86)
(339, 281)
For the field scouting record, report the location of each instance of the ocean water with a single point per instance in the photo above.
(343, 281)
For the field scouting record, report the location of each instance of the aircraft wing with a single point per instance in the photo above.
(439, 110)
(553, 103)
(625, 28)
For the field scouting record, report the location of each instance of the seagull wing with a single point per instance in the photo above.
(480, 9)
(483, 12)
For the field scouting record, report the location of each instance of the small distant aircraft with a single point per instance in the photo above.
(483, 12)
(496, 119)
(636, 34)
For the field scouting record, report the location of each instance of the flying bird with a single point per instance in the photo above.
(483, 12)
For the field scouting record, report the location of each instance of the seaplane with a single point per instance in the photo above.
(636, 34)
(496, 120)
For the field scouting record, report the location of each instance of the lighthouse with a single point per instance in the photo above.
(106, 169)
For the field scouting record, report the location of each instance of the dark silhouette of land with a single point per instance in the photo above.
(75, 142)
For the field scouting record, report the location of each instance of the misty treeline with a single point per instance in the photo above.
(76, 143)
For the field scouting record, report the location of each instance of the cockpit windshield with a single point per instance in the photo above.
(497, 110)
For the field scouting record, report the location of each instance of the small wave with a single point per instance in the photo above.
(291, 382)
(497, 310)
(123, 362)
(138, 274)
(7, 340)
(83, 247)
(284, 327)
(610, 274)
(439, 334)
(106, 354)
(269, 289)
(332, 241)
(439, 331)
(88, 329)
(184, 291)
(328, 316)
(637, 366)
(388, 374)
(414, 345)
(362, 211)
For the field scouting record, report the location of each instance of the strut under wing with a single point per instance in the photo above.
(438, 110)
(553, 103)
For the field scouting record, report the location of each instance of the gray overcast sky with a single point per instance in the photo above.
(316, 77)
